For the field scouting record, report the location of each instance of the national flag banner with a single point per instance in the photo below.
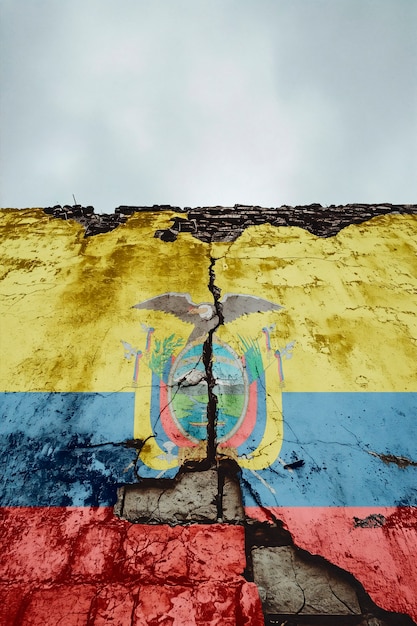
(312, 354)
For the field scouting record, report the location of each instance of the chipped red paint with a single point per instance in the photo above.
(250, 419)
(366, 541)
(75, 566)
(168, 423)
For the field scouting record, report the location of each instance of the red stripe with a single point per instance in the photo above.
(72, 565)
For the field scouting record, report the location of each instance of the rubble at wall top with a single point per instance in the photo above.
(217, 223)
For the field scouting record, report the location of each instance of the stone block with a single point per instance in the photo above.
(114, 605)
(290, 584)
(215, 604)
(162, 604)
(205, 604)
(250, 607)
(166, 554)
(63, 605)
(155, 554)
(93, 554)
(232, 509)
(25, 542)
(216, 552)
(192, 498)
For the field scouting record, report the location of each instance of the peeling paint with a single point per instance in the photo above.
(400, 461)
(331, 380)
(374, 520)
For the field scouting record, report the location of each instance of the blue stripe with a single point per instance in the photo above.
(48, 454)
(349, 443)
(256, 436)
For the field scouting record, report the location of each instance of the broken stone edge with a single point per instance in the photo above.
(225, 224)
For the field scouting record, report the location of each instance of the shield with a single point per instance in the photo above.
(172, 397)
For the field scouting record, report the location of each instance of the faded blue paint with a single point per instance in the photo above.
(338, 436)
(47, 458)
(255, 438)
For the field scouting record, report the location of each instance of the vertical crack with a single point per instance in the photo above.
(212, 399)
(208, 365)
(220, 489)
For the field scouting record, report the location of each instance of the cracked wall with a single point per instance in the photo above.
(303, 379)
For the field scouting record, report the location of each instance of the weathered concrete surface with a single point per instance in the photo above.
(232, 508)
(84, 566)
(370, 552)
(67, 308)
(288, 584)
(193, 497)
(208, 604)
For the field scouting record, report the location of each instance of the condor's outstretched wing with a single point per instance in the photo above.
(235, 304)
(178, 304)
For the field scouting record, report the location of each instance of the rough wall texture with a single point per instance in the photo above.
(227, 223)
(240, 385)
(74, 566)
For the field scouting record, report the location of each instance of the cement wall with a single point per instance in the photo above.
(243, 392)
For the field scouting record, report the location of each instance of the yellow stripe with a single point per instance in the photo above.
(349, 301)
(66, 300)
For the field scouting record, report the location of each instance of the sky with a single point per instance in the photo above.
(207, 102)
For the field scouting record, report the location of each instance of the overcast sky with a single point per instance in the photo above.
(204, 102)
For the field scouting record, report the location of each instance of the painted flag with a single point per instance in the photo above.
(325, 435)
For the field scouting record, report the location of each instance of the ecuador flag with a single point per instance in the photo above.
(314, 364)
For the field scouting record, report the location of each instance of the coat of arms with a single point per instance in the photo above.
(175, 376)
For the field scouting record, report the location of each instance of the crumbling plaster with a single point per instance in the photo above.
(346, 304)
